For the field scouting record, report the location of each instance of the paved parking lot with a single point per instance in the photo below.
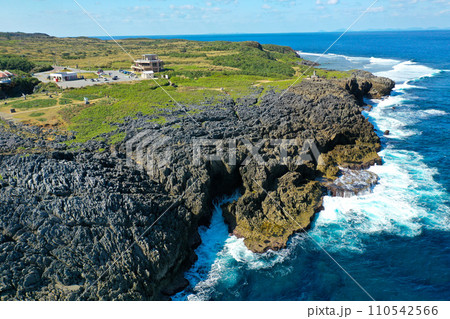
(87, 82)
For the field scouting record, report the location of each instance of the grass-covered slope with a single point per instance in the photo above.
(199, 72)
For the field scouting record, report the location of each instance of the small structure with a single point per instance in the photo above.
(149, 62)
(63, 76)
(148, 75)
(5, 77)
(314, 76)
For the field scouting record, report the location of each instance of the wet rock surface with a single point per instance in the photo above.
(352, 182)
(74, 224)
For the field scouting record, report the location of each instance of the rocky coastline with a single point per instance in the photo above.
(79, 222)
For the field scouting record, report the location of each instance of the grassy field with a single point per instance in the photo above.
(198, 71)
(37, 109)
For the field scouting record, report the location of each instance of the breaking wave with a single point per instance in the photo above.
(406, 201)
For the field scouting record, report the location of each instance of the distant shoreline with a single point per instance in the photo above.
(208, 35)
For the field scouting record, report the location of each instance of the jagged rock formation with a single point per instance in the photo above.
(67, 218)
(352, 182)
(365, 84)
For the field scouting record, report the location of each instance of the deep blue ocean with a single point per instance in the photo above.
(395, 241)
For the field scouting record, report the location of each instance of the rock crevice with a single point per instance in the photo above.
(74, 224)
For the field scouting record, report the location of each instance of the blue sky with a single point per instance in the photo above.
(163, 17)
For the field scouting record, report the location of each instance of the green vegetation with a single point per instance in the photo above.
(121, 100)
(160, 120)
(262, 64)
(280, 49)
(111, 103)
(13, 35)
(116, 138)
(331, 74)
(90, 92)
(13, 63)
(18, 86)
(254, 59)
(64, 101)
(36, 114)
(187, 55)
(46, 87)
(33, 104)
(42, 67)
(348, 155)
(199, 72)
(22, 83)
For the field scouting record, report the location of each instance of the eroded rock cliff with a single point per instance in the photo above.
(87, 225)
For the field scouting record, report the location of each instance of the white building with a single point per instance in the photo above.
(148, 75)
(5, 77)
(149, 62)
(63, 76)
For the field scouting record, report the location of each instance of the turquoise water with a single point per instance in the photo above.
(396, 241)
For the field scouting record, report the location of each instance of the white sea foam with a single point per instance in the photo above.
(355, 59)
(396, 205)
(213, 238)
(408, 71)
(407, 85)
(333, 56)
(400, 203)
(435, 112)
(308, 53)
(379, 64)
(383, 61)
(219, 253)
(383, 115)
(234, 255)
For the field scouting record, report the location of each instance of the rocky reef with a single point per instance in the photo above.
(101, 222)
(352, 182)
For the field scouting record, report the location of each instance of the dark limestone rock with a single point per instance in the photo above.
(74, 225)
(308, 63)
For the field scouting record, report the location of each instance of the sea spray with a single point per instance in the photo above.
(400, 202)
(404, 207)
(219, 253)
(213, 240)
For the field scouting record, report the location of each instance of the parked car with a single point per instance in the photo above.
(115, 78)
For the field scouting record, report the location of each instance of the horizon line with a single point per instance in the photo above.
(262, 33)
(237, 33)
